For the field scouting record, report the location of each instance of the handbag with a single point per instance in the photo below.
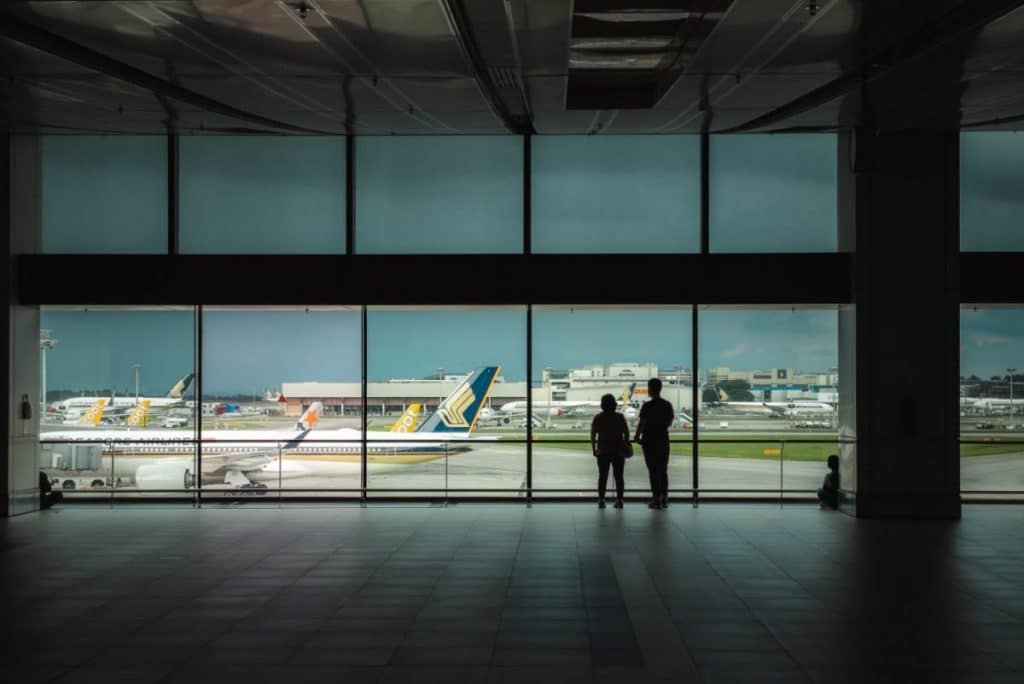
(626, 450)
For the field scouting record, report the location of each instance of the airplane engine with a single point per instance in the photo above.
(165, 476)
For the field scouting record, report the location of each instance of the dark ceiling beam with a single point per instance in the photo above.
(962, 20)
(28, 34)
(459, 21)
(356, 279)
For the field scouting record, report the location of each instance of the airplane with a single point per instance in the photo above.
(795, 407)
(987, 404)
(174, 397)
(543, 407)
(88, 417)
(155, 458)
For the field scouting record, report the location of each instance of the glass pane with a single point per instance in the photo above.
(439, 195)
(992, 399)
(262, 195)
(774, 193)
(104, 195)
(770, 391)
(437, 380)
(616, 194)
(285, 412)
(119, 408)
(991, 204)
(582, 353)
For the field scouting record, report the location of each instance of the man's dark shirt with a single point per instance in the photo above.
(657, 416)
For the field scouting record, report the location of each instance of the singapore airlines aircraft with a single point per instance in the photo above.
(163, 459)
(543, 407)
(70, 408)
(795, 407)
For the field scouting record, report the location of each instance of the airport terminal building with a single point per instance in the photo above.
(502, 210)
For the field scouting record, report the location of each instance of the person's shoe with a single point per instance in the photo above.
(654, 503)
(600, 503)
(618, 504)
(664, 502)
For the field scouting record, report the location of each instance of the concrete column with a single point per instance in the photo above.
(898, 202)
(20, 207)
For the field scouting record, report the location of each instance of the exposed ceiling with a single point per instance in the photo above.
(499, 66)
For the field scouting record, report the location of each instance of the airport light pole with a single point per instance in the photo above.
(1010, 372)
(137, 367)
(440, 386)
(46, 343)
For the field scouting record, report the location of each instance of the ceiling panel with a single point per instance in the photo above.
(403, 66)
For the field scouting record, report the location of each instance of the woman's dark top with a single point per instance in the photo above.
(611, 433)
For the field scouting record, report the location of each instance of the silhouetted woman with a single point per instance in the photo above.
(609, 438)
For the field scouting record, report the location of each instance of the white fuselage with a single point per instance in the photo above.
(285, 453)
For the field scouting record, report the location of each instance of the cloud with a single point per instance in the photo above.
(984, 339)
(735, 350)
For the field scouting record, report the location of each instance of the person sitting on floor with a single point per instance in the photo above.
(828, 495)
(47, 497)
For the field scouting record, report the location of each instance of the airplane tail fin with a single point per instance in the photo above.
(627, 394)
(461, 409)
(407, 421)
(94, 414)
(179, 388)
(310, 417)
(138, 416)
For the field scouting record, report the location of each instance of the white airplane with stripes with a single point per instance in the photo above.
(162, 459)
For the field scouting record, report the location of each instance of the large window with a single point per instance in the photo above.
(583, 353)
(438, 379)
(439, 195)
(991, 202)
(281, 395)
(616, 194)
(451, 402)
(773, 193)
(104, 195)
(992, 400)
(262, 195)
(119, 409)
(770, 398)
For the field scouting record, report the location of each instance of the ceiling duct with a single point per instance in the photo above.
(626, 55)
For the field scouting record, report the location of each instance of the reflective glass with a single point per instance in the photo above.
(104, 195)
(281, 400)
(262, 195)
(119, 409)
(582, 353)
(991, 201)
(992, 399)
(439, 194)
(769, 397)
(773, 193)
(616, 194)
(437, 379)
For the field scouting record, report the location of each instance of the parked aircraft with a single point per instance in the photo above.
(794, 407)
(159, 459)
(73, 406)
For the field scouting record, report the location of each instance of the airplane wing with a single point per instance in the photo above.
(242, 461)
(246, 458)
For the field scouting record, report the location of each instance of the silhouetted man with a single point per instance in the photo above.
(656, 417)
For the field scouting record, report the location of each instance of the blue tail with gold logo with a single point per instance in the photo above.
(459, 412)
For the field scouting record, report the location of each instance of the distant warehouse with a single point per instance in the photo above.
(393, 396)
(387, 398)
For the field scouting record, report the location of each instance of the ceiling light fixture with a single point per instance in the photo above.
(812, 7)
(303, 10)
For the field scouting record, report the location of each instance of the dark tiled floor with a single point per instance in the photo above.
(474, 593)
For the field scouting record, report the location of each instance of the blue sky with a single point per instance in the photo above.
(246, 350)
(991, 340)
